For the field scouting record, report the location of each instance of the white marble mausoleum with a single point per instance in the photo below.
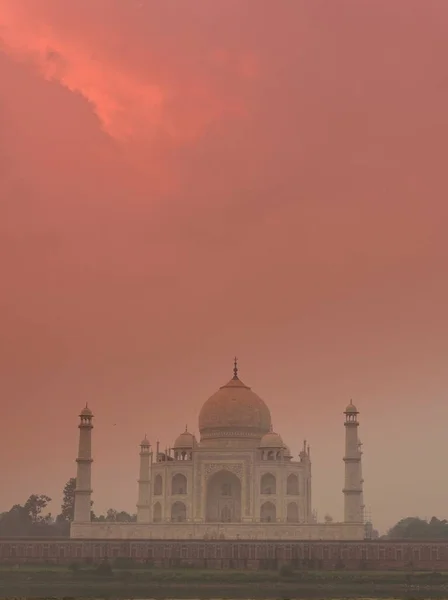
(239, 480)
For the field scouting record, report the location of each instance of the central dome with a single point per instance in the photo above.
(234, 411)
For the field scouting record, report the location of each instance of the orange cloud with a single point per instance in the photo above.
(128, 104)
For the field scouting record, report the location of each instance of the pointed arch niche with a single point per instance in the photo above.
(268, 484)
(268, 512)
(178, 512)
(158, 485)
(292, 512)
(157, 512)
(292, 485)
(179, 485)
(223, 504)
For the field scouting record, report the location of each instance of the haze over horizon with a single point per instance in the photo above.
(181, 182)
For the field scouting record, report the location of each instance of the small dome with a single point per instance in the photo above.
(287, 452)
(351, 408)
(185, 440)
(145, 442)
(271, 440)
(86, 412)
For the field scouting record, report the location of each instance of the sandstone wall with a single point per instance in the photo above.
(200, 531)
(374, 554)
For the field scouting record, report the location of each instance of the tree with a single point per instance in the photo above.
(34, 507)
(125, 517)
(28, 519)
(67, 513)
(68, 501)
(15, 522)
(113, 515)
(416, 528)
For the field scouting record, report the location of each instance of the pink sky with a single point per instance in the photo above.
(185, 181)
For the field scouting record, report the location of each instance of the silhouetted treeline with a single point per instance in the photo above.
(32, 519)
(416, 528)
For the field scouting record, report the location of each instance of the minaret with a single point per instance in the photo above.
(144, 486)
(83, 491)
(352, 459)
(309, 488)
(363, 507)
(305, 458)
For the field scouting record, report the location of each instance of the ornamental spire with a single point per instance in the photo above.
(235, 368)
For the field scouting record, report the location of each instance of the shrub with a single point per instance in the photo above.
(286, 570)
(125, 575)
(74, 567)
(104, 569)
(124, 562)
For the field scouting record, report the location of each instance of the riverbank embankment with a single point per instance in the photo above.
(105, 580)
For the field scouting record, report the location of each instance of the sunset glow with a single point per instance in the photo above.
(181, 182)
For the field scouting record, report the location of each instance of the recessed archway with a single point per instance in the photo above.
(158, 485)
(292, 513)
(178, 512)
(292, 485)
(268, 484)
(223, 503)
(157, 512)
(178, 484)
(268, 512)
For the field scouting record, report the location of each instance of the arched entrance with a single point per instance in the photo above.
(268, 484)
(292, 513)
(179, 512)
(223, 500)
(268, 512)
(292, 485)
(157, 512)
(158, 485)
(178, 485)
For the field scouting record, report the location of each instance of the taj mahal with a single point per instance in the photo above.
(238, 481)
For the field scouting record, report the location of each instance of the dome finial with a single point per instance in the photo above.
(235, 368)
